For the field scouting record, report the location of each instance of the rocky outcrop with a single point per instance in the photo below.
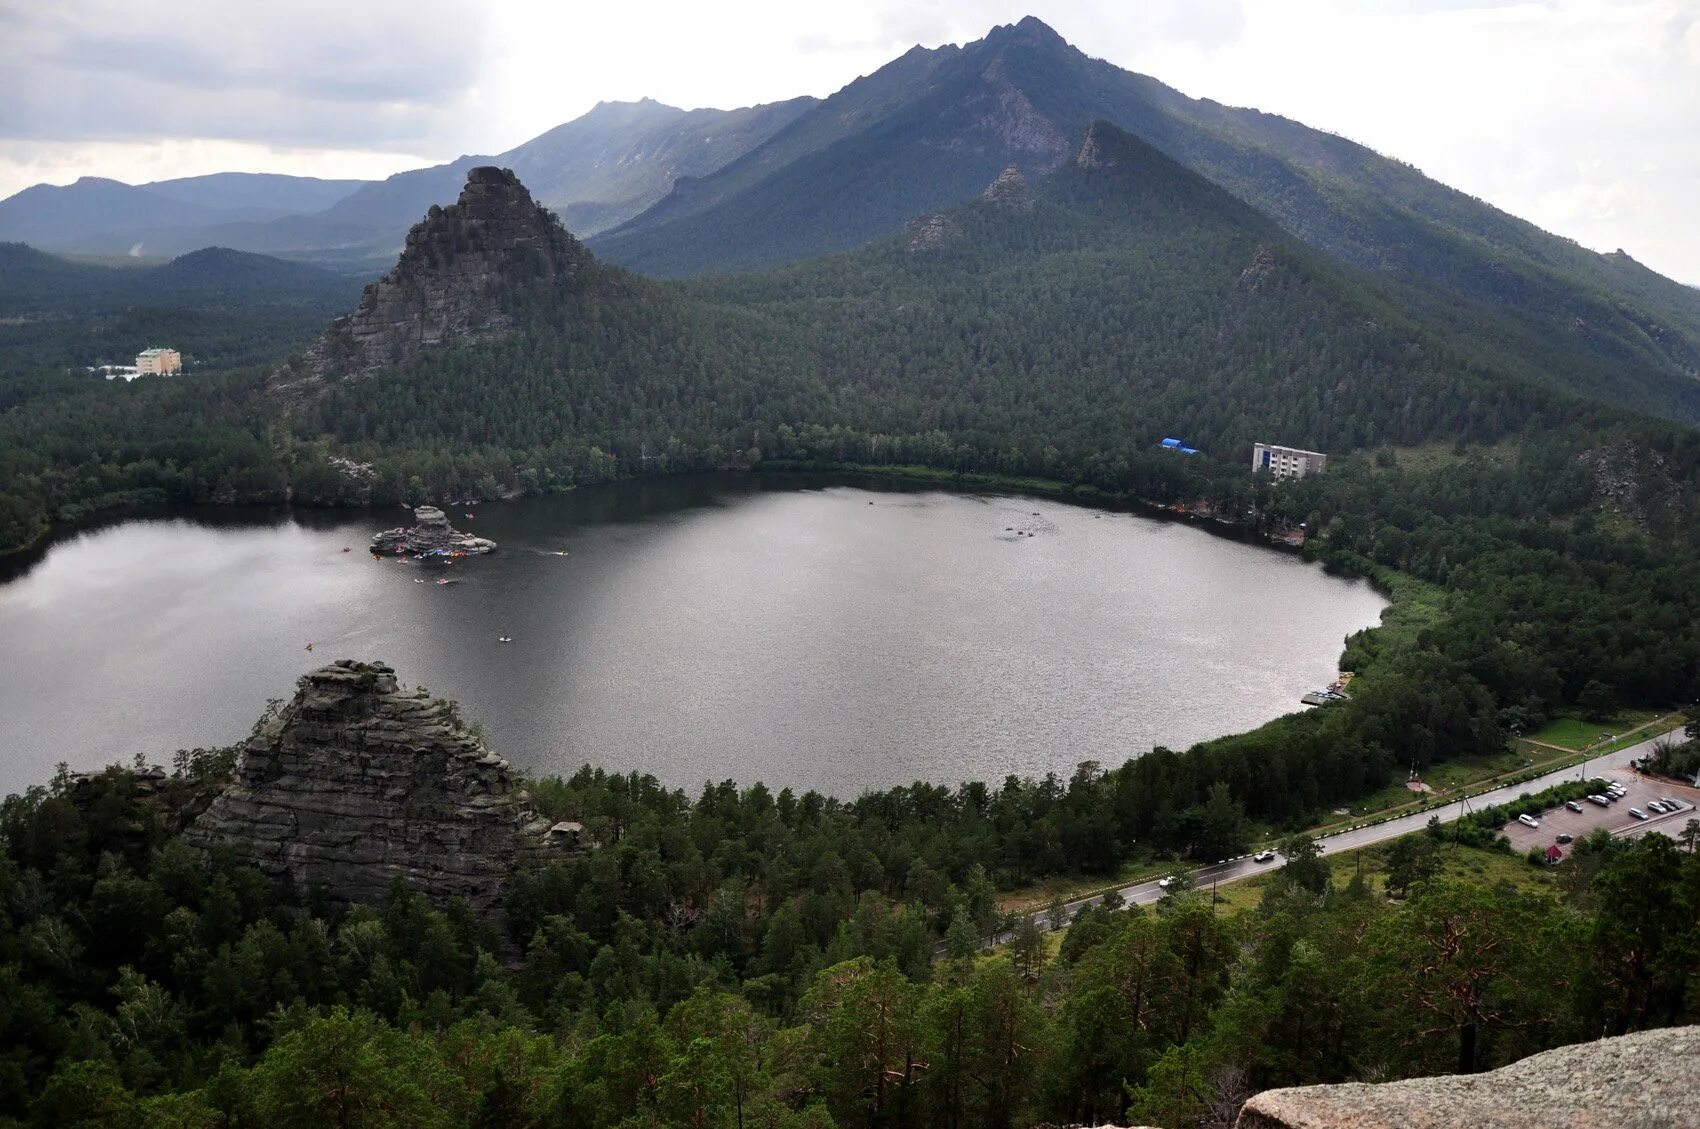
(1649, 1080)
(928, 233)
(1626, 478)
(1010, 190)
(431, 534)
(1101, 149)
(358, 780)
(1263, 266)
(448, 285)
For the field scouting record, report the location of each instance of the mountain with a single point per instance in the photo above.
(597, 170)
(269, 192)
(50, 216)
(220, 308)
(447, 287)
(96, 214)
(933, 126)
(33, 281)
(622, 157)
(1073, 319)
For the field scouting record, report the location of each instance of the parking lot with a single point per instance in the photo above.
(1616, 818)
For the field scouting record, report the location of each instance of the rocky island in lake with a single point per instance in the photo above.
(430, 535)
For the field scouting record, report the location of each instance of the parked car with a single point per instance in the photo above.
(1637, 813)
(1566, 837)
(1573, 805)
(1600, 800)
(1528, 821)
(1654, 805)
(1263, 856)
(1672, 804)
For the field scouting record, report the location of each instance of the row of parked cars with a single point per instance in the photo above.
(1610, 792)
(1615, 791)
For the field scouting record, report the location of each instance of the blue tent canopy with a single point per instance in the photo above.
(1171, 442)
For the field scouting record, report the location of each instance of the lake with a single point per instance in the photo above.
(810, 633)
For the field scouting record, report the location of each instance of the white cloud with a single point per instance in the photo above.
(375, 73)
(137, 162)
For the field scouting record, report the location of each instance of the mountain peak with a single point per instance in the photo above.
(456, 266)
(1010, 190)
(1029, 31)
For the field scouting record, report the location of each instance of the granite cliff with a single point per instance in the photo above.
(358, 781)
(1648, 1080)
(1010, 190)
(455, 269)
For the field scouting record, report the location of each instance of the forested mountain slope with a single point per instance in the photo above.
(1058, 329)
(32, 281)
(62, 216)
(1123, 299)
(944, 121)
(1120, 300)
(219, 308)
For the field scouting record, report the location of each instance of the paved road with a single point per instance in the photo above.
(1233, 870)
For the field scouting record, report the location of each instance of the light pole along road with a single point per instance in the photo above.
(1144, 893)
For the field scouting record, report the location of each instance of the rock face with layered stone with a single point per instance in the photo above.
(1010, 190)
(430, 533)
(1100, 149)
(359, 780)
(1649, 1080)
(448, 286)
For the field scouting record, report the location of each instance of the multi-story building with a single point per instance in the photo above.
(158, 362)
(1287, 462)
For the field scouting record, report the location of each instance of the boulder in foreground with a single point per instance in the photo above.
(1648, 1080)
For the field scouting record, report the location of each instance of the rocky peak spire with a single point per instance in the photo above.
(455, 267)
(1010, 190)
(360, 780)
(1102, 149)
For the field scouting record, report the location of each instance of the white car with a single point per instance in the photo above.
(1263, 856)
(1167, 883)
(1528, 821)
(1654, 805)
(1637, 813)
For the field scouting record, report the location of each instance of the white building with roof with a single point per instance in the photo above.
(1287, 462)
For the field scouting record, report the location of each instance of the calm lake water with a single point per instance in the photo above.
(817, 636)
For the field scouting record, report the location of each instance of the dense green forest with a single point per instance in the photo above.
(747, 959)
(746, 956)
(220, 309)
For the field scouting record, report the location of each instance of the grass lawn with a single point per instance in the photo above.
(1471, 773)
(1438, 456)
(1573, 732)
(1476, 865)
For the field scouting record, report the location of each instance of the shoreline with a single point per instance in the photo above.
(785, 478)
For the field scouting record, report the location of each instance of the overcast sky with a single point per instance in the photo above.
(1581, 115)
